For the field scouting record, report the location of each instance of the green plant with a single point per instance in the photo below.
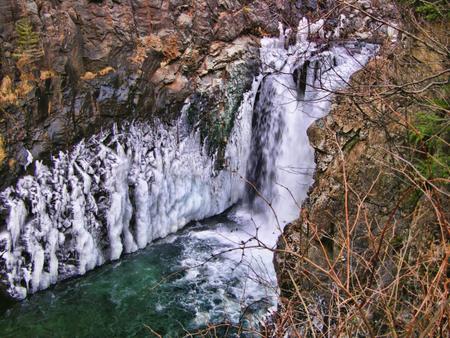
(28, 42)
(430, 10)
(430, 135)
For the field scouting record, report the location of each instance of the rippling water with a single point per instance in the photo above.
(153, 288)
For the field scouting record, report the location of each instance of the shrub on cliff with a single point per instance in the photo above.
(430, 10)
(28, 42)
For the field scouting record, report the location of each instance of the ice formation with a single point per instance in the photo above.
(111, 195)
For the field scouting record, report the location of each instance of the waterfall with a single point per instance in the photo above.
(123, 188)
(297, 89)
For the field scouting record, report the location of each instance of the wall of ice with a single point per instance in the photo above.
(113, 194)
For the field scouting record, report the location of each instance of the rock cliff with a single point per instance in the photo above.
(69, 68)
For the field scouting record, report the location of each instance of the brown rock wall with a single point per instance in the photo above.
(99, 62)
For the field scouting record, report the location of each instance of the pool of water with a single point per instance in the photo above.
(178, 284)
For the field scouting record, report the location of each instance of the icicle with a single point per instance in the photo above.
(303, 30)
(16, 220)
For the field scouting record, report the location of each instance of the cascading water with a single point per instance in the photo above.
(121, 190)
(297, 89)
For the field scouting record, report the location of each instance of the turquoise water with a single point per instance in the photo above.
(149, 289)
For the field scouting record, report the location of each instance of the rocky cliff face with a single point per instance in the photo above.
(69, 68)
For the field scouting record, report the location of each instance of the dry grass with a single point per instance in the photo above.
(169, 46)
(2, 150)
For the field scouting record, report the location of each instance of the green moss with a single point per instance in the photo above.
(430, 136)
(430, 10)
(216, 123)
(28, 41)
(351, 143)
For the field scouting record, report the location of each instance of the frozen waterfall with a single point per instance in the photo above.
(296, 87)
(124, 188)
